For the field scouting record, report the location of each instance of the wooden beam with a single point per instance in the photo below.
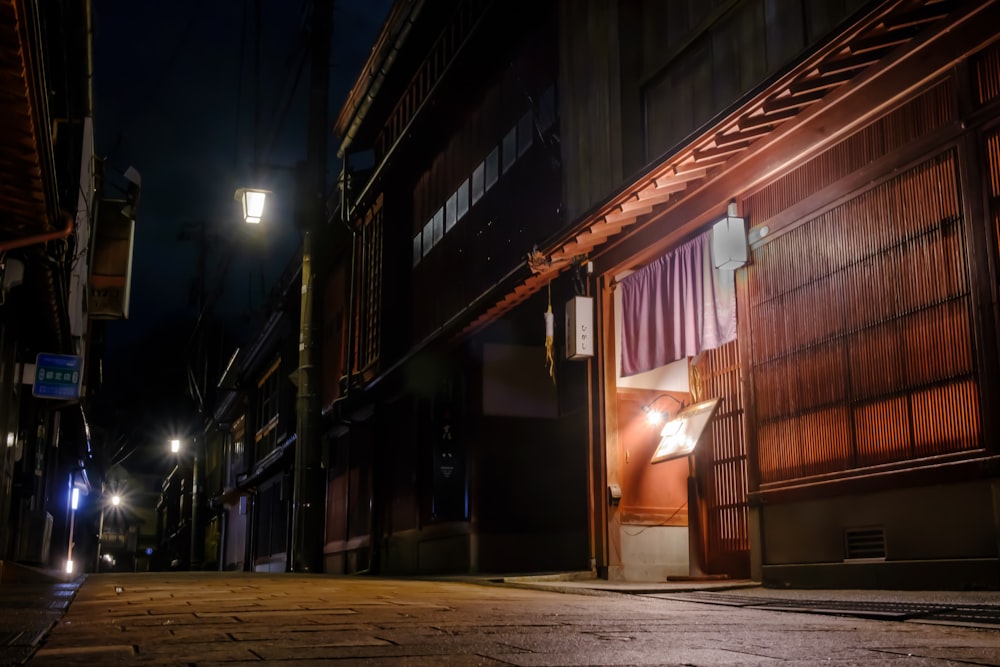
(702, 154)
(793, 101)
(823, 81)
(771, 118)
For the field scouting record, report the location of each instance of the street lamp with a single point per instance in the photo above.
(309, 479)
(74, 504)
(175, 448)
(252, 200)
(115, 500)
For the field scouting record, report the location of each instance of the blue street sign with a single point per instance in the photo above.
(57, 376)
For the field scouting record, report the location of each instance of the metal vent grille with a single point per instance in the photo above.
(864, 543)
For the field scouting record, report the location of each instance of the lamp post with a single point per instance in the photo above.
(309, 482)
(116, 501)
(74, 503)
(194, 554)
(309, 479)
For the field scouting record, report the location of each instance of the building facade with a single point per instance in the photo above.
(851, 370)
(49, 202)
(541, 200)
(442, 452)
(853, 443)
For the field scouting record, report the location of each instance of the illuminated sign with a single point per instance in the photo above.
(57, 376)
(681, 435)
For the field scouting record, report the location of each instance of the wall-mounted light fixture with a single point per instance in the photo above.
(655, 416)
(729, 241)
(252, 200)
(681, 435)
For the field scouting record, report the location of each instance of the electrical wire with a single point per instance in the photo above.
(654, 525)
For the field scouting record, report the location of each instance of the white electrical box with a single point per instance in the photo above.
(580, 327)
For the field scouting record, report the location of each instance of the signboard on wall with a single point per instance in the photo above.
(57, 376)
(681, 435)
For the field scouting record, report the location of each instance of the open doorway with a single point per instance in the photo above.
(689, 514)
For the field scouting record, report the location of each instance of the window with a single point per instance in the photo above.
(509, 149)
(367, 338)
(525, 132)
(428, 236)
(463, 200)
(438, 225)
(416, 249)
(492, 168)
(885, 370)
(450, 213)
(266, 436)
(477, 182)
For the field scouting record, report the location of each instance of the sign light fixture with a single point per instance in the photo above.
(681, 435)
(729, 241)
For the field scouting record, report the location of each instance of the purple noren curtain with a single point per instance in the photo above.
(676, 307)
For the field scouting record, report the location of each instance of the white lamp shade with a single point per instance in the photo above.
(253, 204)
(729, 243)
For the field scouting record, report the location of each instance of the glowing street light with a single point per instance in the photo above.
(253, 200)
(175, 446)
(115, 500)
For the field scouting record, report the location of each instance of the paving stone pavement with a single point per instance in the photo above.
(234, 619)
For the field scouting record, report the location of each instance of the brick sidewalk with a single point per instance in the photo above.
(208, 619)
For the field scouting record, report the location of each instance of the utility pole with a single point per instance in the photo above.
(309, 482)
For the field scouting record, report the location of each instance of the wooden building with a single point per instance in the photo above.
(50, 186)
(448, 454)
(250, 442)
(854, 444)
(509, 160)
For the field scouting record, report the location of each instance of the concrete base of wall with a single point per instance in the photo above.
(951, 574)
(651, 553)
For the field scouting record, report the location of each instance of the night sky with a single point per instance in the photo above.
(177, 96)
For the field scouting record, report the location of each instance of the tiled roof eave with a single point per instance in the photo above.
(887, 35)
(26, 208)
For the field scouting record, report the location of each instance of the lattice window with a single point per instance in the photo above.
(987, 70)
(266, 435)
(716, 373)
(993, 164)
(861, 332)
(930, 110)
(369, 290)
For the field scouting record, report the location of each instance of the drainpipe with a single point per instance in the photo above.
(26, 241)
(379, 78)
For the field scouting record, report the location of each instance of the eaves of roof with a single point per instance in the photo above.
(895, 31)
(27, 204)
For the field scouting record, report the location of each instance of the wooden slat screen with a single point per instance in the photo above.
(993, 164)
(723, 465)
(369, 290)
(930, 110)
(860, 326)
(987, 72)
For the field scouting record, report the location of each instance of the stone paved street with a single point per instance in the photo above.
(209, 619)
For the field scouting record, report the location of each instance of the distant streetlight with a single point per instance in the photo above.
(115, 501)
(253, 200)
(74, 505)
(175, 446)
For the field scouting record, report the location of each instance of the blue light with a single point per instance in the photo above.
(74, 502)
